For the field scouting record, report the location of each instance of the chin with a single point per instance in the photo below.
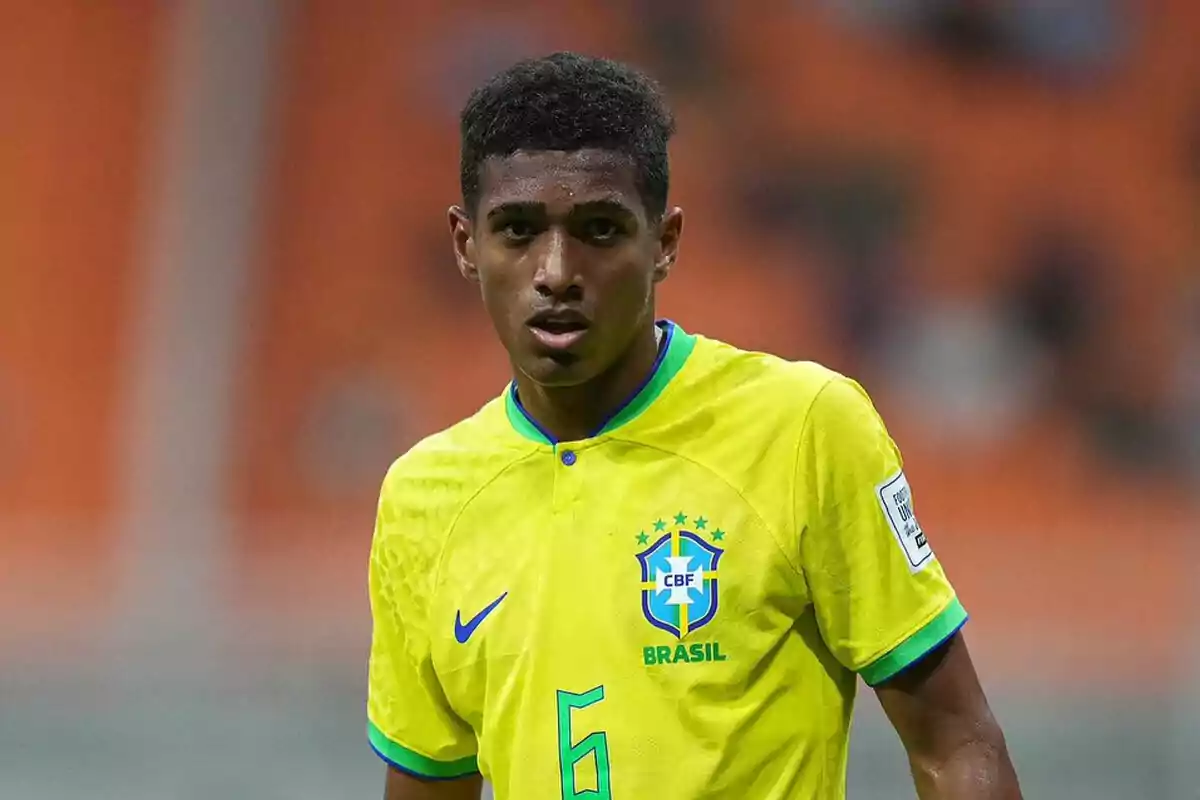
(558, 370)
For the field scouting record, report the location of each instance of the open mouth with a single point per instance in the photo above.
(558, 330)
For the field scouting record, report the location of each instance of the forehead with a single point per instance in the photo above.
(558, 179)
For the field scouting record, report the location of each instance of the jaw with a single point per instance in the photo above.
(557, 371)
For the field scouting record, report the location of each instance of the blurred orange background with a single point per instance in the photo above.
(228, 300)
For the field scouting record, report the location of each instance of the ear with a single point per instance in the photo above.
(462, 233)
(670, 229)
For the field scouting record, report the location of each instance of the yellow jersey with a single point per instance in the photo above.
(678, 606)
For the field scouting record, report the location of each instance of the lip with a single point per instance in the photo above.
(558, 329)
(563, 340)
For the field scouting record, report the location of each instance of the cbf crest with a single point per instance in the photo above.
(679, 575)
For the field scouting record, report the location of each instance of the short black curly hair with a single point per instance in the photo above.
(567, 102)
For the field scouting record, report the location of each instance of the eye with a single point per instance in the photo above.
(517, 230)
(601, 229)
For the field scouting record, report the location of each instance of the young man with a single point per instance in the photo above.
(657, 565)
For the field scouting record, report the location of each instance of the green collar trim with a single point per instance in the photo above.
(671, 357)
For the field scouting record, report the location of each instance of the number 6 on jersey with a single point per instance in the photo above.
(570, 754)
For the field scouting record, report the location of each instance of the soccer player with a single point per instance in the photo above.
(656, 565)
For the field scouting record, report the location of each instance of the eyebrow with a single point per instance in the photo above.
(590, 206)
(516, 208)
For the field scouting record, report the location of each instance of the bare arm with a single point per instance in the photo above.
(401, 786)
(955, 746)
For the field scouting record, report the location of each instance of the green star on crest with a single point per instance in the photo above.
(660, 525)
(718, 535)
(681, 518)
(701, 523)
(643, 538)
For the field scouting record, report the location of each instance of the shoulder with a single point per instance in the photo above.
(741, 414)
(427, 487)
(764, 385)
(775, 407)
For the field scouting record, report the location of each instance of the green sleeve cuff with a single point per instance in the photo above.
(916, 646)
(414, 763)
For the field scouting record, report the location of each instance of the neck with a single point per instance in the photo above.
(570, 413)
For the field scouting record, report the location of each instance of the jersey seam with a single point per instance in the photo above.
(453, 524)
(758, 515)
(796, 468)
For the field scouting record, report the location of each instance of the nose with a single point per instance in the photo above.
(555, 275)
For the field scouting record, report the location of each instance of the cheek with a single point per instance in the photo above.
(493, 293)
(626, 297)
(634, 284)
(501, 296)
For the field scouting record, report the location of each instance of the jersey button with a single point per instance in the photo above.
(568, 457)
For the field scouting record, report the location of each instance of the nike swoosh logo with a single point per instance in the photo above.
(463, 632)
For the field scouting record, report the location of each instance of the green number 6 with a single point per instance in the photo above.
(570, 754)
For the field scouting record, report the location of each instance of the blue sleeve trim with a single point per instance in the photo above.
(413, 773)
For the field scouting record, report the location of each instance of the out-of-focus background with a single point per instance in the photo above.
(227, 301)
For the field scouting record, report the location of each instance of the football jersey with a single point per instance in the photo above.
(678, 606)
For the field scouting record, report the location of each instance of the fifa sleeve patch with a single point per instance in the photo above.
(896, 498)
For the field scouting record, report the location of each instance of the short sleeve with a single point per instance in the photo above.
(409, 720)
(881, 598)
